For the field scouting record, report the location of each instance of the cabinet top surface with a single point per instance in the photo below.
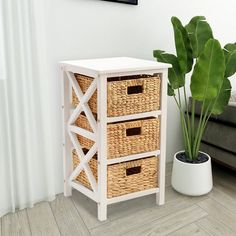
(115, 64)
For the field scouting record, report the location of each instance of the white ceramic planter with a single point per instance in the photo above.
(192, 179)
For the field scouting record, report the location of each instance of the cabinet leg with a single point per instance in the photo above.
(67, 189)
(160, 198)
(102, 212)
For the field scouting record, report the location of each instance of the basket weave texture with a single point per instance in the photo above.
(82, 177)
(130, 95)
(123, 139)
(126, 177)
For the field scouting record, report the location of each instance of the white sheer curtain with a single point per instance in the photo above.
(2, 48)
(30, 153)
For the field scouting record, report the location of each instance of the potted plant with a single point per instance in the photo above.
(199, 53)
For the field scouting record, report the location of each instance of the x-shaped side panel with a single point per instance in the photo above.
(83, 106)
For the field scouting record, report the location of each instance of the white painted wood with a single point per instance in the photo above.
(75, 114)
(132, 195)
(85, 166)
(102, 147)
(133, 157)
(90, 118)
(84, 190)
(83, 99)
(77, 146)
(42, 221)
(162, 160)
(115, 65)
(75, 85)
(67, 159)
(133, 116)
(85, 160)
(82, 132)
(101, 69)
(130, 73)
(80, 70)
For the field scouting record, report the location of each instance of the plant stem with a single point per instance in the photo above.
(202, 128)
(180, 104)
(192, 120)
(188, 119)
(198, 131)
(184, 128)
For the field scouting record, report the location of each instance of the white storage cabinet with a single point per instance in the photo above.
(101, 70)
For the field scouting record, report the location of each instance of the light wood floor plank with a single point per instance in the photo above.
(226, 183)
(139, 218)
(219, 212)
(225, 197)
(123, 209)
(214, 227)
(189, 230)
(88, 210)
(168, 180)
(16, 224)
(169, 223)
(225, 178)
(169, 168)
(68, 220)
(42, 222)
(180, 216)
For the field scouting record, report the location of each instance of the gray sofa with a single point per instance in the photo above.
(219, 140)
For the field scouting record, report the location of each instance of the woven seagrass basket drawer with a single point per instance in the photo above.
(125, 95)
(126, 138)
(126, 177)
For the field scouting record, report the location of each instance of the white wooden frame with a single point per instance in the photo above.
(99, 136)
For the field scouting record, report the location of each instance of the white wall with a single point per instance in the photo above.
(94, 28)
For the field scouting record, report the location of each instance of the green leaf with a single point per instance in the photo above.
(230, 47)
(199, 32)
(230, 59)
(223, 97)
(175, 76)
(182, 45)
(170, 91)
(208, 72)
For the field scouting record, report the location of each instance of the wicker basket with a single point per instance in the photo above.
(126, 177)
(126, 138)
(125, 95)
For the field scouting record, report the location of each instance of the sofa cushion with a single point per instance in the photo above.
(227, 117)
(220, 135)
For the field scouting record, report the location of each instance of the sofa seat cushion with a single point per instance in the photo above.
(220, 135)
(227, 117)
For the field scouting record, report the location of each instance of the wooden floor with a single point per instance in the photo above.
(214, 214)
